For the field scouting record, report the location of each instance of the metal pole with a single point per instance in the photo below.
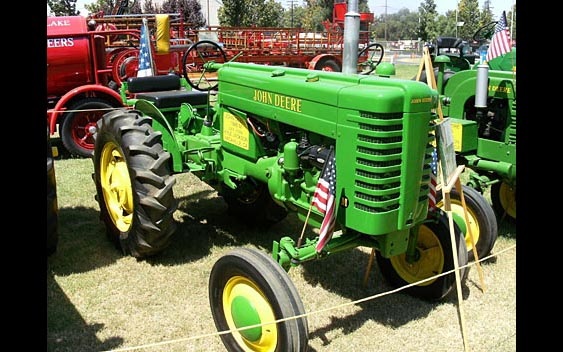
(351, 38)
(456, 22)
(385, 27)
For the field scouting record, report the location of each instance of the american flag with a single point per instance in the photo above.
(145, 62)
(433, 181)
(500, 42)
(323, 200)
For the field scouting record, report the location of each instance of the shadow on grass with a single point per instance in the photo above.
(343, 274)
(203, 222)
(83, 245)
(66, 329)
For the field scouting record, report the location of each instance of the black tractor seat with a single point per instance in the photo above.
(164, 91)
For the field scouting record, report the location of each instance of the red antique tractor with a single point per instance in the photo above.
(87, 60)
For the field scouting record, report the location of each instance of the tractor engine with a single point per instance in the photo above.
(279, 125)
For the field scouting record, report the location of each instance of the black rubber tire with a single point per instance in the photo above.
(78, 128)
(433, 242)
(134, 183)
(250, 279)
(482, 219)
(328, 65)
(503, 199)
(252, 199)
(52, 205)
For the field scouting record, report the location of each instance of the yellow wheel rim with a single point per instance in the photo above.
(457, 211)
(430, 262)
(116, 186)
(245, 304)
(507, 197)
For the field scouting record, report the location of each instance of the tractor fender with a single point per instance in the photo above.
(313, 64)
(88, 90)
(160, 123)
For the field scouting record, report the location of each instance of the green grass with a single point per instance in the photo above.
(98, 299)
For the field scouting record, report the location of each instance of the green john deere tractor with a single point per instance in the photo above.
(265, 137)
(480, 99)
(481, 103)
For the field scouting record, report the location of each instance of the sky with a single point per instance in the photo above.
(378, 6)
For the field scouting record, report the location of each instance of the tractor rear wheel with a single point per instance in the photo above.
(133, 183)
(328, 65)
(481, 216)
(78, 127)
(434, 257)
(247, 287)
(503, 197)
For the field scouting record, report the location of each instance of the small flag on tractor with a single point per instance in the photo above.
(323, 200)
(433, 181)
(145, 57)
(500, 42)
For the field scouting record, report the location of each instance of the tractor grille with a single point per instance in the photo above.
(378, 162)
(512, 124)
(426, 170)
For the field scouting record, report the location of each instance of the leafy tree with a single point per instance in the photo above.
(149, 7)
(469, 14)
(427, 16)
(105, 6)
(232, 13)
(63, 7)
(293, 17)
(511, 18)
(189, 9)
(135, 7)
(272, 14)
(314, 16)
(248, 13)
(486, 14)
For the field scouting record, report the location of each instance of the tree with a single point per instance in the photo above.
(314, 17)
(63, 7)
(189, 9)
(427, 15)
(149, 7)
(272, 14)
(232, 13)
(486, 14)
(249, 13)
(511, 18)
(293, 17)
(469, 15)
(135, 7)
(105, 6)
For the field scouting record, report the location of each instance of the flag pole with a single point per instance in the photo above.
(146, 28)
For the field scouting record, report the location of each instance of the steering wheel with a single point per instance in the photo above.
(369, 65)
(485, 32)
(194, 70)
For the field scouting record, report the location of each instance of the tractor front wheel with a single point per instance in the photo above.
(433, 257)
(482, 220)
(503, 197)
(248, 288)
(133, 183)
